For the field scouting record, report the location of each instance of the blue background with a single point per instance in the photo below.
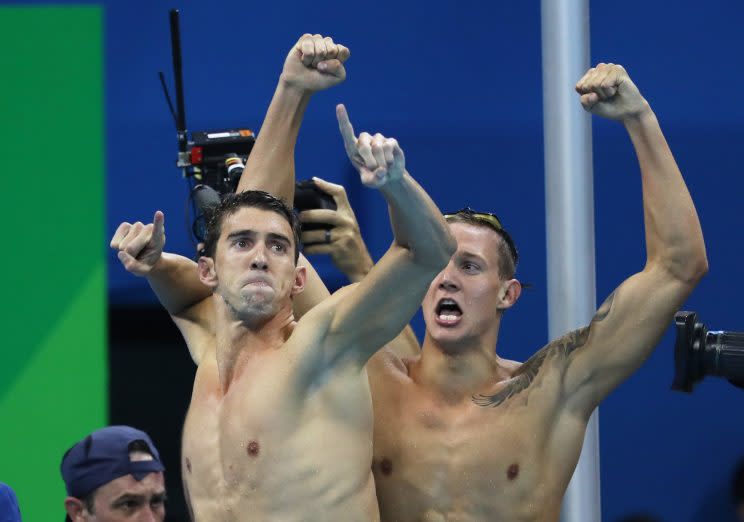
(460, 86)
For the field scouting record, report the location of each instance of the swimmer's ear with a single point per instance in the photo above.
(75, 509)
(207, 274)
(509, 293)
(299, 281)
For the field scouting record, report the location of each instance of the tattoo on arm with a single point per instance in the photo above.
(563, 346)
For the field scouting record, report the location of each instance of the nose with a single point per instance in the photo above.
(259, 261)
(446, 280)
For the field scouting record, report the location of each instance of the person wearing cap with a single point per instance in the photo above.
(114, 474)
(9, 510)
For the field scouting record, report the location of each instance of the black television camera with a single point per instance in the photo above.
(699, 352)
(213, 161)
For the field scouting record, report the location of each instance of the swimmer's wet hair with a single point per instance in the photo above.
(508, 255)
(248, 199)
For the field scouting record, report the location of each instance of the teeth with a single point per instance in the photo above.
(444, 317)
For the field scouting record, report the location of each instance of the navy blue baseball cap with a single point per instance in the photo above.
(103, 456)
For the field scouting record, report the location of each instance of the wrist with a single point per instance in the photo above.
(640, 117)
(159, 266)
(394, 186)
(358, 274)
(354, 261)
(291, 88)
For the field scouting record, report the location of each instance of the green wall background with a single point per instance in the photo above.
(53, 376)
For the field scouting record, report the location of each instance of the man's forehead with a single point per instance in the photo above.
(256, 220)
(152, 484)
(474, 238)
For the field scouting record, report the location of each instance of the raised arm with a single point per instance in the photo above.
(313, 64)
(362, 318)
(345, 245)
(628, 325)
(631, 321)
(173, 278)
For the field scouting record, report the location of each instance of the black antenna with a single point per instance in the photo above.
(178, 77)
(167, 97)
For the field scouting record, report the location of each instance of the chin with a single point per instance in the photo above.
(259, 309)
(458, 339)
(447, 339)
(253, 309)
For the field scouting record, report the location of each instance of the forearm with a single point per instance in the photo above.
(270, 165)
(417, 223)
(673, 234)
(175, 281)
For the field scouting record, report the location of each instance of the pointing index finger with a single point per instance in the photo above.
(347, 131)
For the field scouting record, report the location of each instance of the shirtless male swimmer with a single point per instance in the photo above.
(280, 421)
(464, 435)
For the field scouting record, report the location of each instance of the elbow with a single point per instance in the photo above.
(434, 255)
(701, 268)
(441, 253)
(697, 264)
(690, 268)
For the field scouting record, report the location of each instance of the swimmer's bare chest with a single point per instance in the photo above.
(262, 449)
(464, 462)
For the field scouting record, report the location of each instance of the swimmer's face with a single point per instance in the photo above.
(254, 267)
(466, 299)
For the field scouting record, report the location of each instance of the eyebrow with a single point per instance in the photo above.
(241, 233)
(250, 233)
(472, 255)
(279, 237)
(138, 497)
(128, 496)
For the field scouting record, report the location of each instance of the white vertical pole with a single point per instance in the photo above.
(570, 213)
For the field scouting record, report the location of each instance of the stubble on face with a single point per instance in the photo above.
(256, 264)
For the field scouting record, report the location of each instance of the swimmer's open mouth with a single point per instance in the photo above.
(448, 312)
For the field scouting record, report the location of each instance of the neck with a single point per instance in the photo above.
(242, 339)
(456, 373)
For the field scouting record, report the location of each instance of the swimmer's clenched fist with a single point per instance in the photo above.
(606, 90)
(315, 63)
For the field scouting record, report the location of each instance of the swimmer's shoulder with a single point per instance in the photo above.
(509, 367)
(387, 363)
